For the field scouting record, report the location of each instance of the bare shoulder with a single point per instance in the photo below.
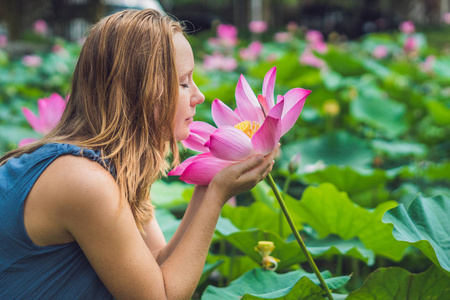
(69, 187)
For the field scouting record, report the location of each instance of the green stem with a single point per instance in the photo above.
(286, 185)
(270, 181)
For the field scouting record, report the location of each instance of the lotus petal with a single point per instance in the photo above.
(229, 143)
(268, 136)
(247, 102)
(293, 105)
(34, 121)
(202, 169)
(223, 115)
(198, 136)
(181, 167)
(268, 87)
(26, 141)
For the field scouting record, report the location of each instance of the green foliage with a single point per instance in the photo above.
(383, 142)
(263, 284)
(425, 224)
(395, 284)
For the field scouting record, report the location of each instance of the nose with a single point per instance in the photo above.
(198, 97)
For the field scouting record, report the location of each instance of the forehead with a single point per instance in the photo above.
(184, 58)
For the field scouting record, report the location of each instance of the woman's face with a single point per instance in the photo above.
(189, 94)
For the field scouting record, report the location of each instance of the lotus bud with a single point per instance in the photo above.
(295, 163)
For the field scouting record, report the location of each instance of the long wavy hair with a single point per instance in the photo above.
(122, 102)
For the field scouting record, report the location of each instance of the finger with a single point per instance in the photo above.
(257, 173)
(249, 164)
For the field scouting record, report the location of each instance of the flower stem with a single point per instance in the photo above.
(270, 181)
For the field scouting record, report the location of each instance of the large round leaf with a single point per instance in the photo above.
(329, 211)
(336, 148)
(398, 284)
(426, 225)
(289, 252)
(380, 113)
(263, 284)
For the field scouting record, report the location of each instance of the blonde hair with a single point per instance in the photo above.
(122, 102)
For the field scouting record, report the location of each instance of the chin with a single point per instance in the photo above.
(181, 136)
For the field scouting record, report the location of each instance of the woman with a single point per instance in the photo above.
(75, 215)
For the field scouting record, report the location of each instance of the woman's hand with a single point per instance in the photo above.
(242, 176)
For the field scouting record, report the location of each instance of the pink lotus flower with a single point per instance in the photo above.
(255, 127)
(314, 36)
(427, 65)
(407, 27)
(217, 61)
(410, 44)
(446, 18)
(308, 58)
(32, 60)
(3, 41)
(257, 26)
(50, 112)
(252, 52)
(380, 52)
(227, 33)
(40, 27)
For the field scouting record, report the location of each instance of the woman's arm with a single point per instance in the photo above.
(87, 202)
(155, 239)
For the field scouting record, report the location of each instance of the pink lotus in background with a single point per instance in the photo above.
(427, 65)
(314, 36)
(255, 127)
(32, 60)
(380, 52)
(227, 33)
(50, 112)
(407, 27)
(446, 18)
(3, 41)
(257, 26)
(217, 61)
(252, 51)
(308, 58)
(40, 27)
(410, 45)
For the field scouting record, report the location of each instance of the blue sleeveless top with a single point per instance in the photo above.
(28, 271)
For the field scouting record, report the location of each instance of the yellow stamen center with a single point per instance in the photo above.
(248, 128)
(265, 248)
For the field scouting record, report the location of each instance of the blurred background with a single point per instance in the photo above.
(376, 125)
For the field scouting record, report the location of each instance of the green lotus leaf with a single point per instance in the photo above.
(425, 224)
(168, 195)
(233, 266)
(208, 269)
(167, 222)
(345, 63)
(381, 113)
(288, 252)
(257, 215)
(348, 179)
(398, 148)
(439, 111)
(336, 148)
(263, 284)
(397, 284)
(348, 220)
